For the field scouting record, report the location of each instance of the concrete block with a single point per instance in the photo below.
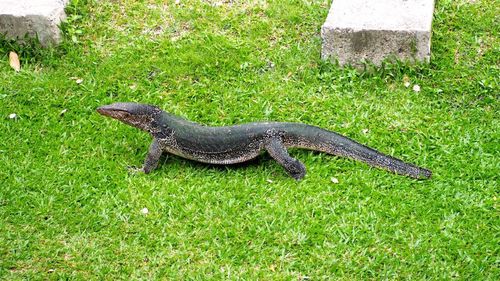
(373, 30)
(33, 17)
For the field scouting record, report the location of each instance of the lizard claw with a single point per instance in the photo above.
(134, 170)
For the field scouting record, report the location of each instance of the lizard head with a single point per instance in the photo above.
(138, 115)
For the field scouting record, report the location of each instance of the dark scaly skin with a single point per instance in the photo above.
(240, 143)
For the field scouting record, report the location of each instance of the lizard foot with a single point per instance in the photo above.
(296, 169)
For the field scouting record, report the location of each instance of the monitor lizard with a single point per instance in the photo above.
(239, 143)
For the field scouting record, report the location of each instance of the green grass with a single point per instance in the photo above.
(70, 210)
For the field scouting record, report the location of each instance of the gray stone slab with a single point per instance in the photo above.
(32, 17)
(374, 30)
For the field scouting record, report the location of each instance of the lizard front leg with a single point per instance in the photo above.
(278, 151)
(153, 157)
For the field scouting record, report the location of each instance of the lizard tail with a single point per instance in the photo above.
(333, 143)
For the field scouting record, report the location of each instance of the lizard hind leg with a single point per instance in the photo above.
(278, 151)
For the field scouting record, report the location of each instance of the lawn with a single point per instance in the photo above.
(70, 209)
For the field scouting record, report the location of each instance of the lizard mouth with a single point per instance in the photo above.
(112, 112)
